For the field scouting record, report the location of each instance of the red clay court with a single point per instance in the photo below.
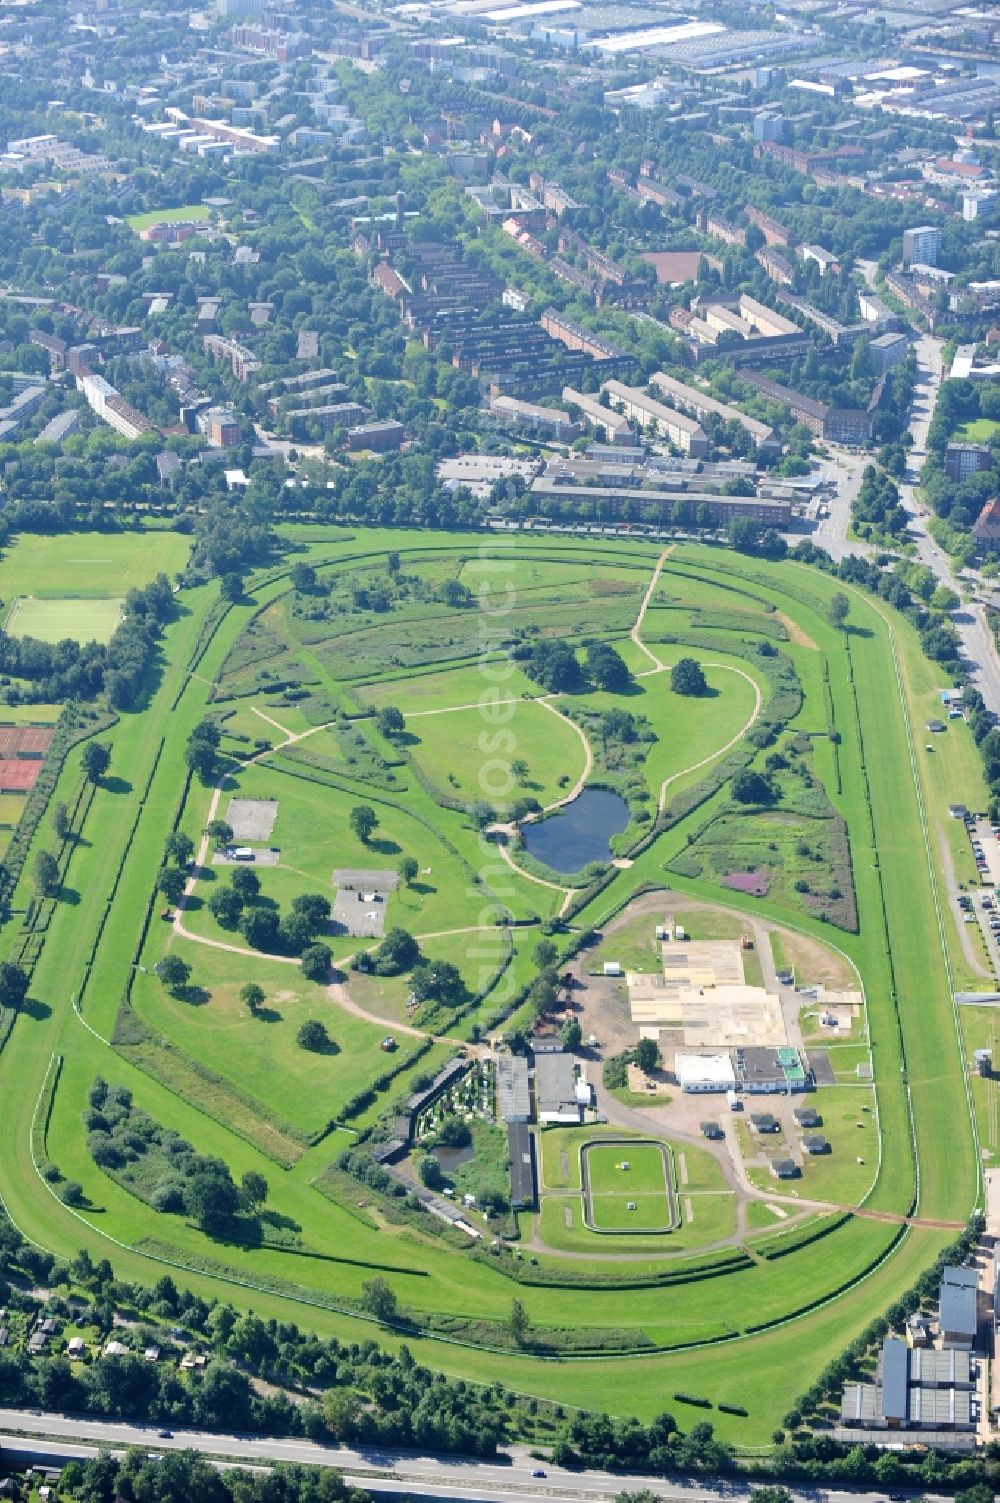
(24, 741)
(22, 756)
(19, 777)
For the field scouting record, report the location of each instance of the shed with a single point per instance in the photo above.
(764, 1122)
(712, 1130)
(613, 968)
(815, 1143)
(784, 1169)
(807, 1116)
(936, 726)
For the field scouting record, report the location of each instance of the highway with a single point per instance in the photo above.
(54, 1438)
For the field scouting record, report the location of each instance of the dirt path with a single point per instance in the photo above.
(270, 721)
(338, 993)
(588, 759)
(453, 709)
(720, 751)
(795, 632)
(636, 632)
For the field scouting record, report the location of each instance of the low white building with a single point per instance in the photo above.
(699, 1074)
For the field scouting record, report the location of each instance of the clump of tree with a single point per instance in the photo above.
(752, 787)
(202, 750)
(398, 952)
(160, 1167)
(688, 677)
(551, 663)
(607, 668)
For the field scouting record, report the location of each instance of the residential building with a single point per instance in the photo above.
(962, 459)
(888, 350)
(700, 405)
(242, 362)
(378, 437)
(769, 125)
(221, 427)
(665, 422)
(843, 425)
(921, 245)
(552, 422)
(614, 427)
(107, 404)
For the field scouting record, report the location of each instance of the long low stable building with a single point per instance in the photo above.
(666, 422)
(701, 405)
(523, 1178)
(911, 1393)
(513, 1089)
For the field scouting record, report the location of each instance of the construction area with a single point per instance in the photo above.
(701, 1000)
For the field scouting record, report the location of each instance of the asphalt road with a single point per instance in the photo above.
(970, 620)
(845, 470)
(59, 1438)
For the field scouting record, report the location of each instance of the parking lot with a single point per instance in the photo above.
(983, 906)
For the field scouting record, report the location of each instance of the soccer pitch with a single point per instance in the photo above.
(626, 1187)
(54, 620)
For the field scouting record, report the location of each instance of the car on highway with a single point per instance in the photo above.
(165, 1434)
(538, 1472)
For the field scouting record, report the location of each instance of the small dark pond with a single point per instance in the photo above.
(579, 833)
(451, 1158)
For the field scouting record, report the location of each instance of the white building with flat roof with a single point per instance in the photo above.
(699, 1074)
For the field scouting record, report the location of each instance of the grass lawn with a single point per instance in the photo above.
(469, 755)
(11, 808)
(79, 564)
(260, 1055)
(54, 620)
(624, 1198)
(30, 714)
(167, 216)
(634, 945)
(496, 680)
(979, 430)
(645, 1174)
(708, 923)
